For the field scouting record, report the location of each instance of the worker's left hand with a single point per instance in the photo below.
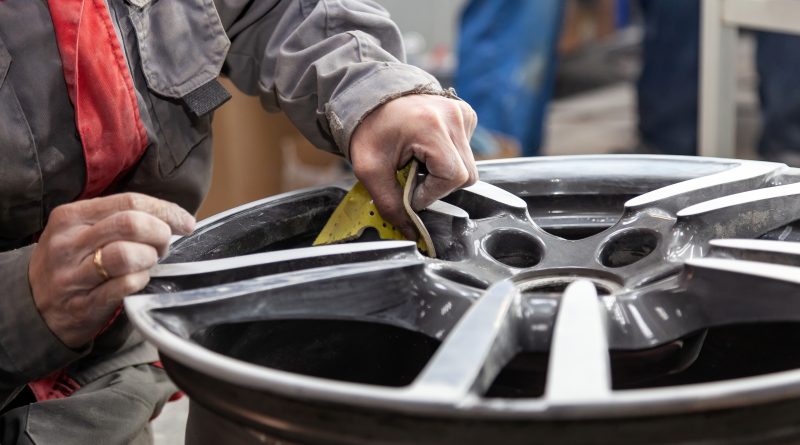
(434, 129)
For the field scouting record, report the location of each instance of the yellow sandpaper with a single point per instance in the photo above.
(357, 212)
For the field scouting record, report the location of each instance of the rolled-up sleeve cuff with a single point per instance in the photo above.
(27, 346)
(388, 81)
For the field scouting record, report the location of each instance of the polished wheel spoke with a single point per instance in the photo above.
(579, 368)
(446, 209)
(710, 292)
(538, 318)
(645, 319)
(471, 356)
(672, 198)
(336, 292)
(180, 276)
(743, 215)
(768, 251)
(496, 195)
(733, 291)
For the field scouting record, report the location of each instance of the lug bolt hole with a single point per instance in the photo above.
(513, 248)
(628, 247)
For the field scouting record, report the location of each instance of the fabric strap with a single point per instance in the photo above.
(101, 90)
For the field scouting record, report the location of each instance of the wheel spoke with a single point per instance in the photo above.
(475, 351)
(643, 320)
(482, 200)
(732, 291)
(776, 252)
(182, 276)
(446, 209)
(538, 318)
(337, 292)
(672, 198)
(496, 194)
(743, 215)
(579, 366)
(710, 292)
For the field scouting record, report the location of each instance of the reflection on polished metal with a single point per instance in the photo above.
(575, 299)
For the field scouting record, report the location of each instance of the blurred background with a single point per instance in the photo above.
(547, 77)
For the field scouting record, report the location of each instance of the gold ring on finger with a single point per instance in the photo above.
(98, 264)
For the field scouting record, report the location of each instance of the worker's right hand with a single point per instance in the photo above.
(433, 129)
(69, 289)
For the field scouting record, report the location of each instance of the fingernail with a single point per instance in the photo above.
(418, 199)
(189, 224)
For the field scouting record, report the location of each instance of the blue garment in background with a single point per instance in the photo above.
(668, 86)
(506, 64)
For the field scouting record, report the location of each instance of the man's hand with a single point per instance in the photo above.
(435, 130)
(132, 231)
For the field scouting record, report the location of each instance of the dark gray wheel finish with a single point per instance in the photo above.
(590, 298)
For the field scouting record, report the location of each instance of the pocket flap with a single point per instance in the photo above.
(139, 3)
(182, 44)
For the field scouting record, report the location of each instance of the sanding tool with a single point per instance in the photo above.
(357, 212)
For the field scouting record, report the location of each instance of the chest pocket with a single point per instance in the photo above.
(20, 175)
(182, 46)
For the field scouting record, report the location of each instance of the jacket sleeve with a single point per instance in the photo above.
(325, 63)
(28, 349)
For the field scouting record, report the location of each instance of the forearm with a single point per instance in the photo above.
(326, 64)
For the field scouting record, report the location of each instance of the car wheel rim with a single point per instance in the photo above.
(546, 265)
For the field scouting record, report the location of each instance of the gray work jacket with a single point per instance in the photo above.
(325, 63)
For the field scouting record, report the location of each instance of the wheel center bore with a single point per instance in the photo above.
(556, 281)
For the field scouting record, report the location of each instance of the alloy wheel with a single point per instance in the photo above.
(575, 298)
